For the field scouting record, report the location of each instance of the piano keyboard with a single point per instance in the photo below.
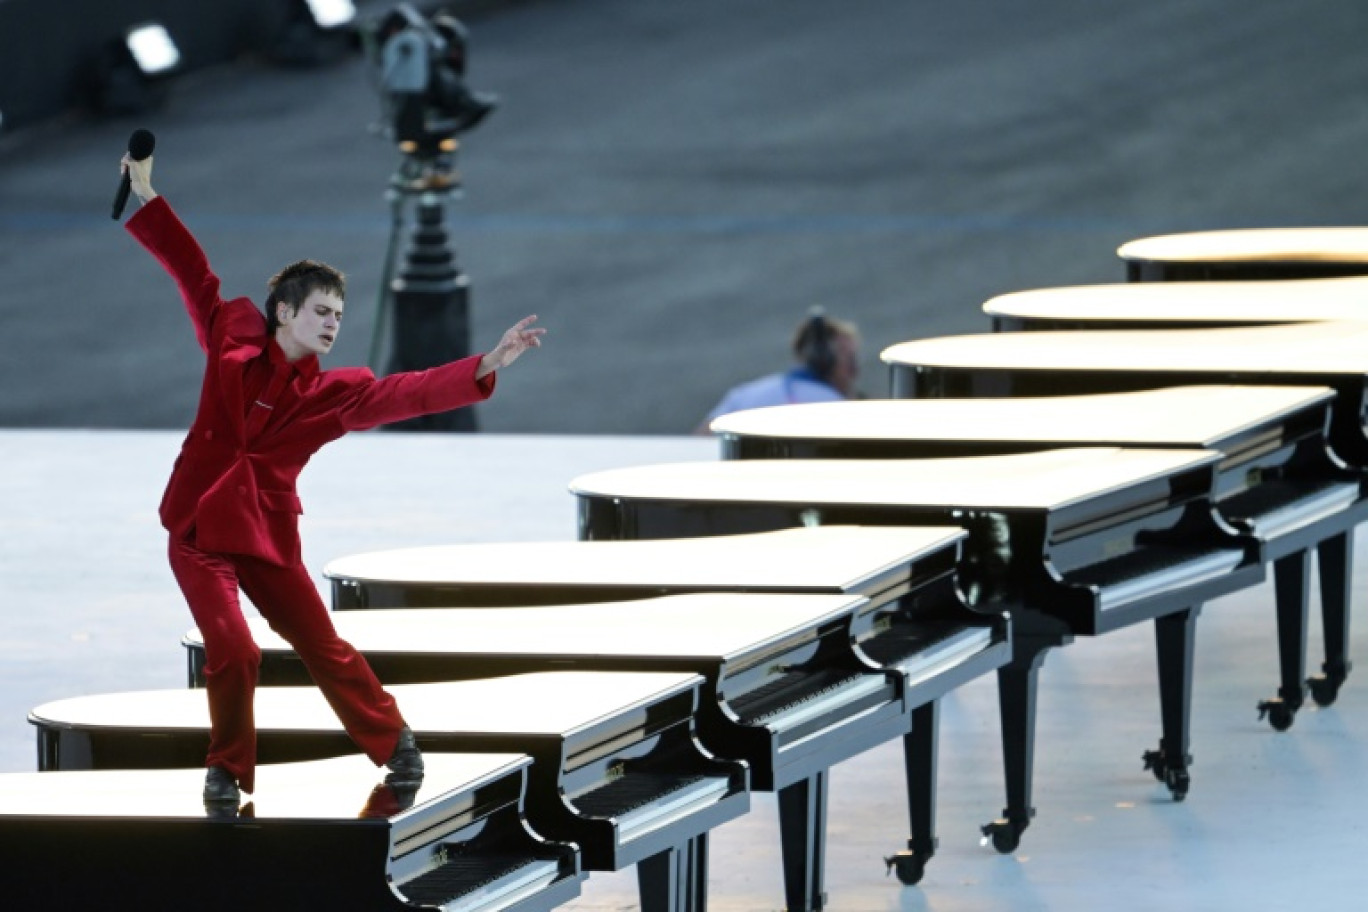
(466, 883)
(1277, 507)
(1137, 575)
(792, 695)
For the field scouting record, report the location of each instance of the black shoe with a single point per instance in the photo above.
(220, 787)
(406, 763)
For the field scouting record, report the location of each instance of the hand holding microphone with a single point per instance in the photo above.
(140, 146)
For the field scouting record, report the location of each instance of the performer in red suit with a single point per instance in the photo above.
(231, 506)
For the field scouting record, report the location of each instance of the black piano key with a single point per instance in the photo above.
(460, 875)
(625, 795)
(785, 691)
(1270, 496)
(903, 641)
(1152, 560)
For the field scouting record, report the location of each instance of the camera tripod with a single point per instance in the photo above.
(430, 293)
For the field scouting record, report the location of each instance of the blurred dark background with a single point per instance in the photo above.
(670, 186)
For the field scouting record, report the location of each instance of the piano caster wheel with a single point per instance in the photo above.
(1003, 834)
(910, 866)
(1175, 778)
(1178, 781)
(1324, 689)
(1154, 762)
(1279, 714)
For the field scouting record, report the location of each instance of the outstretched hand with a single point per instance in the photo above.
(517, 339)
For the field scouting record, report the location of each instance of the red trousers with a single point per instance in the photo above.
(287, 599)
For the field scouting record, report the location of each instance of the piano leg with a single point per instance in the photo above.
(1336, 571)
(1174, 635)
(675, 880)
(919, 760)
(802, 838)
(1017, 682)
(1291, 587)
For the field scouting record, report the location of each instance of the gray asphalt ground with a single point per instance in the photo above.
(671, 185)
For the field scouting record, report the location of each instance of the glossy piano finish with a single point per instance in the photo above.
(320, 834)
(760, 655)
(913, 622)
(1276, 480)
(1072, 542)
(1329, 354)
(1159, 305)
(616, 770)
(1252, 253)
(1180, 305)
(1001, 365)
(1154, 500)
(754, 651)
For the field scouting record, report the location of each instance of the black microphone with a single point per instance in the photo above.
(140, 146)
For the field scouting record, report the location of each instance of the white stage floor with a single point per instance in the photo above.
(1272, 822)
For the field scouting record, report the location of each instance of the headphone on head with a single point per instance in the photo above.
(815, 348)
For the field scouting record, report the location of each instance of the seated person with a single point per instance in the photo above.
(827, 352)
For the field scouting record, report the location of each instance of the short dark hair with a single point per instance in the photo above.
(296, 282)
(814, 341)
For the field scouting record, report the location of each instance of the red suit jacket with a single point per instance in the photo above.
(234, 480)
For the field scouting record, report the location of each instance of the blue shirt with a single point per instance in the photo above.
(797, 385)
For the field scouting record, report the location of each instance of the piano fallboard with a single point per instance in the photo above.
(1037, 522)
(584, 730)
(143, 840)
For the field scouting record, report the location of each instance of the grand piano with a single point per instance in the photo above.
(1180, 305)
(1331, 353)
(616, 766)
(324, 834)
(1250, 253)
(912, 623)
(1276, 480)
(1070, 542)
(1328, 354)
(757, 652)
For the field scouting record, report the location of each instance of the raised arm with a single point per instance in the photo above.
(161, 233)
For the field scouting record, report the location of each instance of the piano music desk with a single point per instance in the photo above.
(1071, 542)
(616, 766)
(1277, 479)
(1251, 253)
(319, 834)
